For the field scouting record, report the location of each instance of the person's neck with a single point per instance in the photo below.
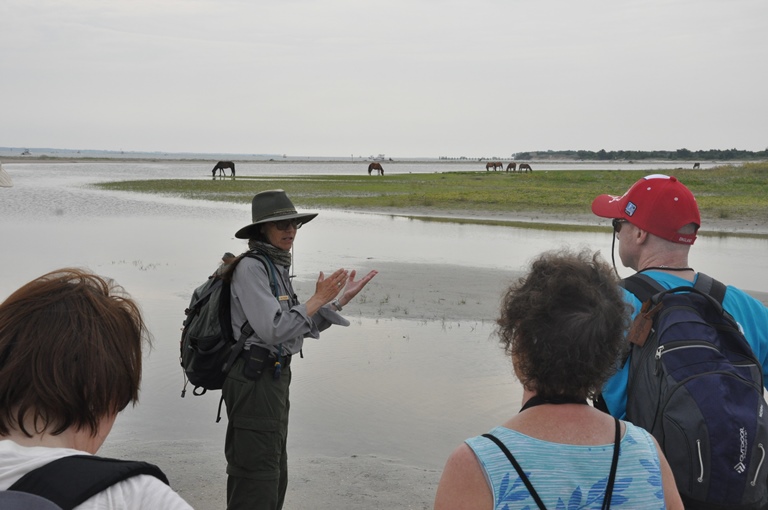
(677, 266)
(63, 440)
(73, 438)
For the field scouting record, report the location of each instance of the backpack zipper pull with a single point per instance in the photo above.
(659, 352)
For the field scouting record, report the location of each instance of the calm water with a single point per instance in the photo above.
(405, 389)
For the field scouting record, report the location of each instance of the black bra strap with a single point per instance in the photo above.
(519, 470)
(614, 466)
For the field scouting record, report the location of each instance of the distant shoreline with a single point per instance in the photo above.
(267, 159)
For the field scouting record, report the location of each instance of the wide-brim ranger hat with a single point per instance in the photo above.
(272, 205)
(658, 204)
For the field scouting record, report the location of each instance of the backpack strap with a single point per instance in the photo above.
(709, 285)
(642, 286)
(246, 330)
(269, 266)
(69, 481)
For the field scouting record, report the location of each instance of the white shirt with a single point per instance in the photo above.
(136, 493)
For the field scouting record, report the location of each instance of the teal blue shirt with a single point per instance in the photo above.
(571, 476)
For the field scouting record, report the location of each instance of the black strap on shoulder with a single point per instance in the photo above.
(614, 467)
(535, 495)
(269, 266)
(246, 330)
(709, 285)
(642, 286)
(70, 481)
(519, 470)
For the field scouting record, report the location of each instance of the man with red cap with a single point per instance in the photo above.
(656, 222)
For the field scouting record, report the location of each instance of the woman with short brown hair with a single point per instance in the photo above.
(70, 361)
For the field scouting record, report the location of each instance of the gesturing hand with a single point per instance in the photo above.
(355, 286)
(328, 288)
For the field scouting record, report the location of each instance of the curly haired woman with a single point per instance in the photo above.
(562, 324)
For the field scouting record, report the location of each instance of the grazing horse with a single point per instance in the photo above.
(494, 165)
(696, 165)
(511, 166)
(525, 167)
(377, 167)
(221, 166)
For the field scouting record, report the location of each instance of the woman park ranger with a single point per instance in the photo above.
(256, 390)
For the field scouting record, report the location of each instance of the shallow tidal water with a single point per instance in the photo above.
(405, 389)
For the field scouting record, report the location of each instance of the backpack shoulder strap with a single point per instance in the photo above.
(246, 330)
(70, 481)
(642, 286)
(269, 266)
(709, 285)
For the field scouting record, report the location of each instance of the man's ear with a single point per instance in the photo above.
(641, 236)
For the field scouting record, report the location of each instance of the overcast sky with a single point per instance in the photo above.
(399, 77)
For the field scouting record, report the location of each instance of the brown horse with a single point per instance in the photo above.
(494, 165)
(511, 166)
(525, 167)
(696, 165)
(221, 166)
(377, 167)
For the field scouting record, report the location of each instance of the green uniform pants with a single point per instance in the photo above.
(257, 431)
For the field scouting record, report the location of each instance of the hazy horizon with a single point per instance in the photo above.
(335, 78)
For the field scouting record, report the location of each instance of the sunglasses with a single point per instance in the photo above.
(617, 224)
(286, 224)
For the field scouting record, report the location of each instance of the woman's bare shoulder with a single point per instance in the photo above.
(463, 484)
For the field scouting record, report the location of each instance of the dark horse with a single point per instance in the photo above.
(525, 167)
(696, 165)
(221, 166)
(511, 166)
(377, 167)
(494, 165)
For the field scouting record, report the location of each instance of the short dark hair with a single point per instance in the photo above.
(563, 324)
(70, 353)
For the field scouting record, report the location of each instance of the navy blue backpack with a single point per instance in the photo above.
(695, 384)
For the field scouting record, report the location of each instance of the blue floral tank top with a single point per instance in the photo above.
(571, 476)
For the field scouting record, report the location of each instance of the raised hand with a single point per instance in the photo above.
(355, 286)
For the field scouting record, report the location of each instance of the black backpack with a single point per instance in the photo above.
(208, 346)
(69, 481)
(695, 384)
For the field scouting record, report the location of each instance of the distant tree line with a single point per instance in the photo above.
(679, 154)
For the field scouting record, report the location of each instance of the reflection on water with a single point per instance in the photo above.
(404, 389)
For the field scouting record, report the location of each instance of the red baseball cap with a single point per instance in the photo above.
(657, 203)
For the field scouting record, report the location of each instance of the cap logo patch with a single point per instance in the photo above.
(630, 209)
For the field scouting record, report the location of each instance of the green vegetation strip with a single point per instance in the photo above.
(725, 192)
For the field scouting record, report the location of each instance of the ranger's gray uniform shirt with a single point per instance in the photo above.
(273, 320)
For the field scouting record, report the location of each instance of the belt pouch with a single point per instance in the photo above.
(256, 361)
